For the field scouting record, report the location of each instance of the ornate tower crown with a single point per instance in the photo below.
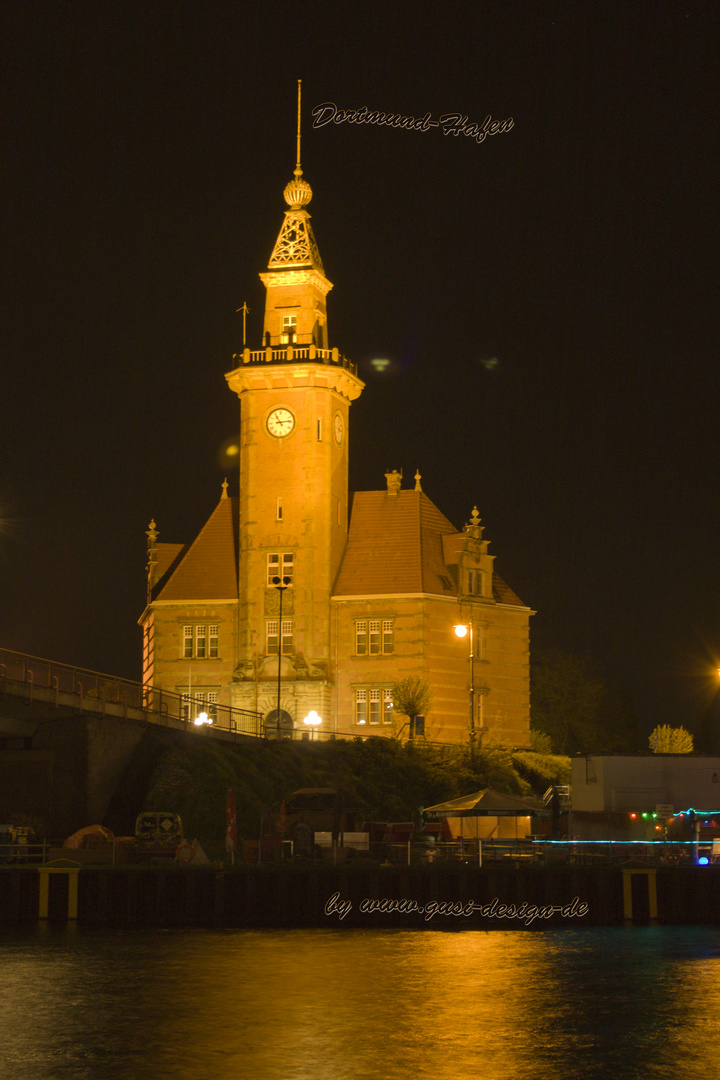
(295, 246)
(295, 310)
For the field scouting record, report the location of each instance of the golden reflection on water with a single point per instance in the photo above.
(334, 1005)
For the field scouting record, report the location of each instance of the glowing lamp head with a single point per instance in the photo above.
(202, 718)
(461, 630)
(312, 719)
(703, 861)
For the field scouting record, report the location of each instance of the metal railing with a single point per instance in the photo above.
(94, 692)
(14, 853)
(517, 854)
(295, 354)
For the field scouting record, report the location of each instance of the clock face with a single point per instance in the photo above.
(338, 427)
(280, 422)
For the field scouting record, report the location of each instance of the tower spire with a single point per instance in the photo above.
(298, 170)
(295, 309)
(295, 246)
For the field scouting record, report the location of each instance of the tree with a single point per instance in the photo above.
(671, 740)
(571, 704)
(565, 700)
(411, 697)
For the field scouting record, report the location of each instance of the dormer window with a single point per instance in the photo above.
(289, 330)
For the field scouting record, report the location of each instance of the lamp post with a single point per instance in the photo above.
(462, 630)
(313, 721)
(281, 586)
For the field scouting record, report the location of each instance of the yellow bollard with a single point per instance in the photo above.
(59, 866)
(627, 893)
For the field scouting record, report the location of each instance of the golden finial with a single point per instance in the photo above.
(418, 478)
(224, 486)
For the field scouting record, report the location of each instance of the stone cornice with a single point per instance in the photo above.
(300, 276)
(296, 376)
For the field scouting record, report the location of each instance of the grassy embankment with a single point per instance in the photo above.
(392, 781)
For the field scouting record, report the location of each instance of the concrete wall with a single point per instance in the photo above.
(626, 783)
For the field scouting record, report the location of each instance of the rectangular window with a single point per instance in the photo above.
(374, 636)
(287, 637)
(279, 509)
(189, 710)
(288, 329)
(475, 582)
(271, 637)
(387, 639)
(387, 707)
(374, 706)
(199, 641)
(280, 565)
(212, 704)
(361, 706)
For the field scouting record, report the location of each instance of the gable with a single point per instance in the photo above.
(208, 569)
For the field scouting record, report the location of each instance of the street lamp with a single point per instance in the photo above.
(462, 630)
(281, 586)
(313, 721)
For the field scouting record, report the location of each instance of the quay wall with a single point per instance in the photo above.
(292, 897)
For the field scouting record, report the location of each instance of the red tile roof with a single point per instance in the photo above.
(167, 556)
(503, 594)
(208, 570)
(395, 546)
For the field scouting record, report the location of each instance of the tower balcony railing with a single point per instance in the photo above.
(296, 354)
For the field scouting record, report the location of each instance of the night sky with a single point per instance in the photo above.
(546, 298)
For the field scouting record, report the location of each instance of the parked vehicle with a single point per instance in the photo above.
(158, 833)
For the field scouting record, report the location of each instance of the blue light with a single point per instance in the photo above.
(703, 861)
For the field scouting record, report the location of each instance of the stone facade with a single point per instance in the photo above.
(370, 595)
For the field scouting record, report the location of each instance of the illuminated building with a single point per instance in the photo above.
(368, 602)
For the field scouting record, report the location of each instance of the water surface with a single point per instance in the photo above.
(361, 1004)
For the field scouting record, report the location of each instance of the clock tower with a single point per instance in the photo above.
(287, 605)
(295, 393)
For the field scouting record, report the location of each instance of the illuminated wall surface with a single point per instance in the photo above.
(634, 783)
(378, 580)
